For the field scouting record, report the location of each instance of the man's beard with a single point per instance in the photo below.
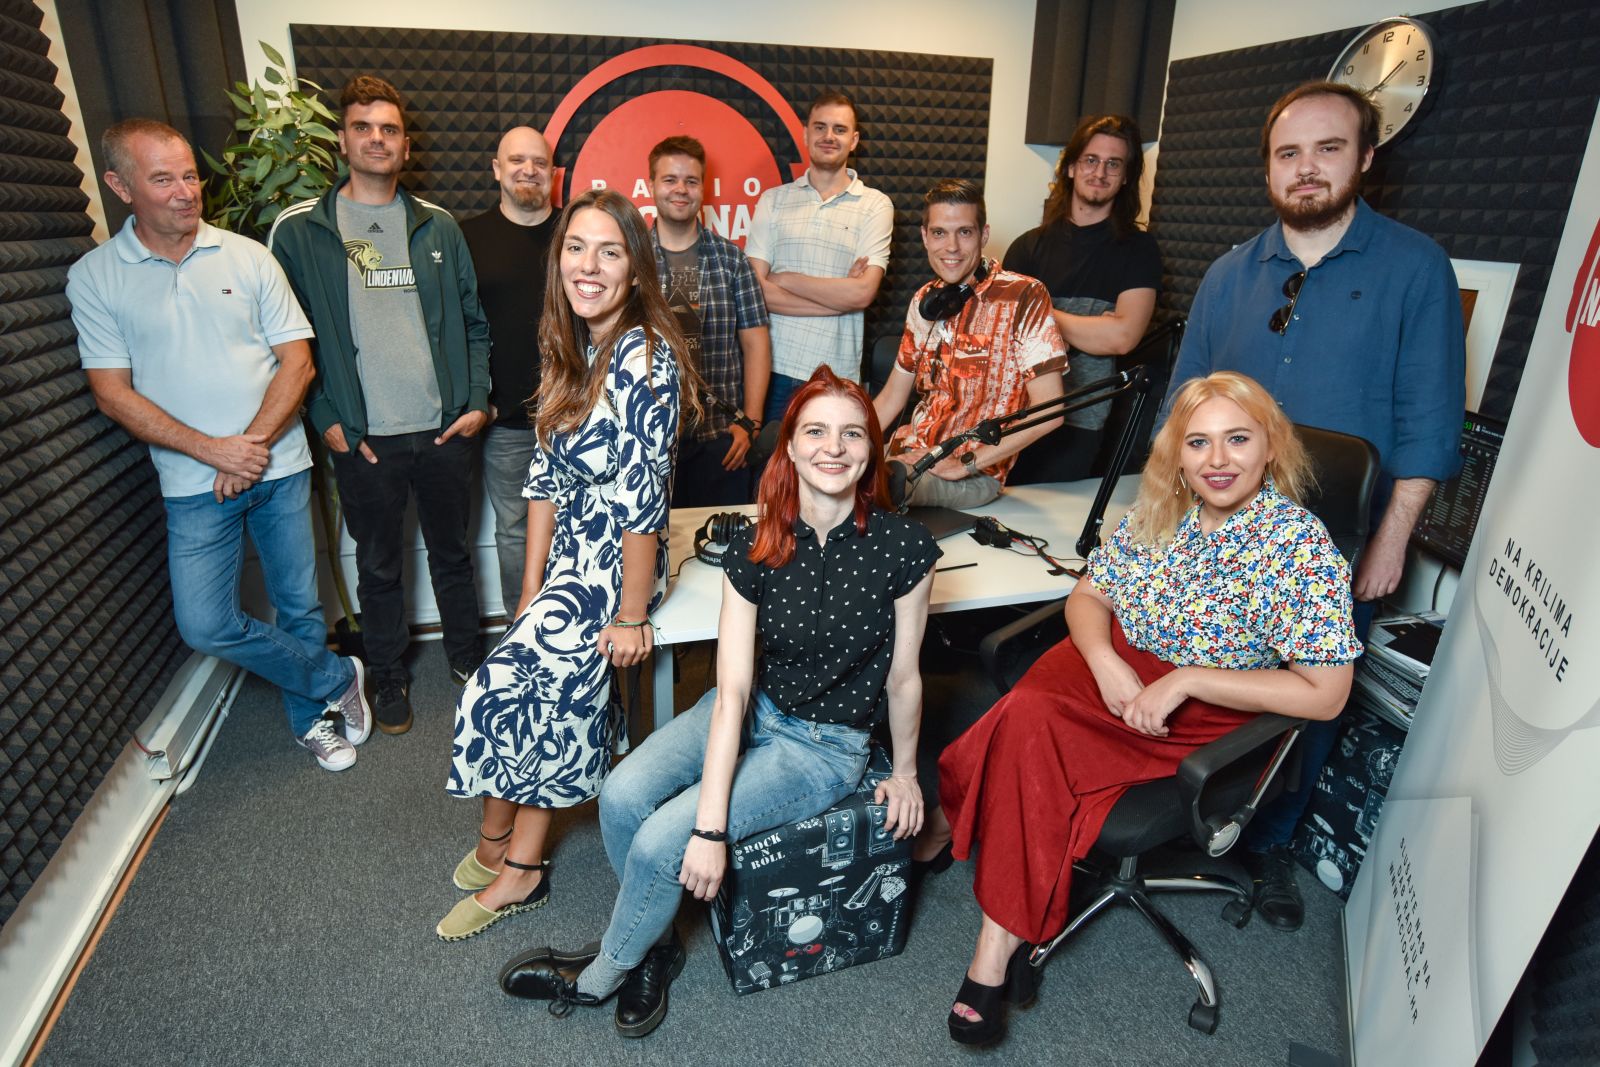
(1317, 212)
(529, 197)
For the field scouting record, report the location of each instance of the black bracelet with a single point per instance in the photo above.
(709, 835)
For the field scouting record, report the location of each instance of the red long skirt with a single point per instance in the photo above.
(1034, 779)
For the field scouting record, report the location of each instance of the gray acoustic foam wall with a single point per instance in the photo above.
(1487, 169)
(87, 641)
(923, 117)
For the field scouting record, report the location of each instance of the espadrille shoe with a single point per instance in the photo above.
(469, 918)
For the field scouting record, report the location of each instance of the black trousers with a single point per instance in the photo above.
(373, 497)
(699, 480)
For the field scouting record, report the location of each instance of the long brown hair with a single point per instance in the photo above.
(1162, 498)
(1125, 205)
(779, 495)
(570, 386)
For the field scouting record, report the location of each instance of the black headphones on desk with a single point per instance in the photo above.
(946, 301)
(716, 533)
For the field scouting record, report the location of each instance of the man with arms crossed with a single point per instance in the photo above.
(510, 244)
(192, 342)
(402, 381)
(1353, 323)
(819, 246)
(1102, 271)
(710, 287)
(979, 343)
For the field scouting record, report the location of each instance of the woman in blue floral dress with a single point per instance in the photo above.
(534, 729)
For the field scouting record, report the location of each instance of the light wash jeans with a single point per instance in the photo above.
(205, 553)
(507, 451)
(790, 769)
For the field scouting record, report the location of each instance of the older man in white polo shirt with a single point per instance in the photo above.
(193, 342)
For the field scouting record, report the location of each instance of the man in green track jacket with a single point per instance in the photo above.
(402, 386)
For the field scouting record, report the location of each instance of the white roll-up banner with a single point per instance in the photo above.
(1497, 793)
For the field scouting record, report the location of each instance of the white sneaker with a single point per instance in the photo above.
(351, 706)
(333, 752)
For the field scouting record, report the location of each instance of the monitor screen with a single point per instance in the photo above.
(1447, 523)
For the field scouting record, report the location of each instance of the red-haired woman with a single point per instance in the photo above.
(838, 589)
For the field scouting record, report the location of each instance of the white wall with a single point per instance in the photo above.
(1201, 27)
(1003, 31)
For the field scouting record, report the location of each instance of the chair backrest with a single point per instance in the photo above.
(881, 362)
(1346, 470)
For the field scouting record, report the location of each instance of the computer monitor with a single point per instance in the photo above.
(1446, 525)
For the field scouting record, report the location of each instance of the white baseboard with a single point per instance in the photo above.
(42, 941)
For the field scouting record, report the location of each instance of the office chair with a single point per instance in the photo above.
(1218, 787)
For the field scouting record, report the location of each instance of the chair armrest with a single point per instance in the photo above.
(995, 643)
(1214, 832)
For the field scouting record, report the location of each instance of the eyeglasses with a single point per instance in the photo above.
(1279, 323)
(1093, 163)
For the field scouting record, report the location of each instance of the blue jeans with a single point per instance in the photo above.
(790, 769)
(205, 553)
(507, 451)
(779, 389)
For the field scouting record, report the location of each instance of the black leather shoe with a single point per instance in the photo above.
(642, 999)
(1278, 899)
(545, 974)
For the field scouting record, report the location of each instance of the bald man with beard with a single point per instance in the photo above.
(510, 244)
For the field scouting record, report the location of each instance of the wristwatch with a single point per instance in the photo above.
(969, 460)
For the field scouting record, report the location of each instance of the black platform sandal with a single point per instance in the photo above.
(1022, 979)
(988, 1001)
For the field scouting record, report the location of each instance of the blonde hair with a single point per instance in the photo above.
(1163, 499)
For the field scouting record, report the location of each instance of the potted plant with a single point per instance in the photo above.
(286, 152)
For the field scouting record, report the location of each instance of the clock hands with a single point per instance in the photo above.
(1374, 90)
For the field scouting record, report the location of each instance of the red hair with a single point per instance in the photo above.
(779, 495)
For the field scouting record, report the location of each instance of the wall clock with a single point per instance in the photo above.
(1393, 62)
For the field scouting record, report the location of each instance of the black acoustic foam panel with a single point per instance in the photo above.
(1487, 168)
(87, 639)
(923, 117)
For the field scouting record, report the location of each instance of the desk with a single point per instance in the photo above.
(1055, 512)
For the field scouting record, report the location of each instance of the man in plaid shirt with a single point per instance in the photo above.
(819, 246)
(710, 287)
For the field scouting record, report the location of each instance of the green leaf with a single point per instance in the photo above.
(258, 101)
(211, 162)
(263, 168)
(322, 109)
(317, 129)
(273, 76)
(273, 54)
(238, 100)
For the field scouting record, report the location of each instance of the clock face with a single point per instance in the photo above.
(1392, 62)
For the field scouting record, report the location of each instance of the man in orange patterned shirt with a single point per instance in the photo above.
(979, 342)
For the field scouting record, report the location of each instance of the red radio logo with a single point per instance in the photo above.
(1583, 322)
(740, 166)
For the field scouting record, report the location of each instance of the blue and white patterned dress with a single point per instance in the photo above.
(534, 724)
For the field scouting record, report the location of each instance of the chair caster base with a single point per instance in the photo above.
(1237, 912)
(1203, 1017)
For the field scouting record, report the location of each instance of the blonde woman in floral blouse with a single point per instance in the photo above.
(1216, 579)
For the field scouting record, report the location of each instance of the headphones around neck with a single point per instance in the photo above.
(717, 532)
(946, 301)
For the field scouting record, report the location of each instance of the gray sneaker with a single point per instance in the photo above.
(352, 708)
(324, 741)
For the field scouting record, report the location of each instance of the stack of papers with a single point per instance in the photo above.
(1390, 677)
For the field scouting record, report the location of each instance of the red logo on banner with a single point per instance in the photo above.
(1583, 322)
(740, 165)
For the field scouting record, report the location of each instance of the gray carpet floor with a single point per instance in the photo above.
(285, 915)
